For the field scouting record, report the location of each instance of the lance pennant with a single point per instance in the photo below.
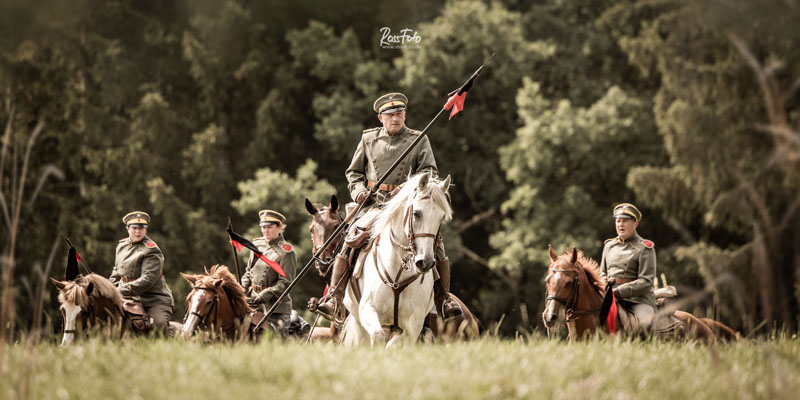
(238, 242)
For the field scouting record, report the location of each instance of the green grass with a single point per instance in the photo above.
(151, 369)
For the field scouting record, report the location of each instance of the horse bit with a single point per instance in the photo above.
(569, 302)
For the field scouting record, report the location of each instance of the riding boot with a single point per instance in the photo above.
(445, 305)
(333, 309)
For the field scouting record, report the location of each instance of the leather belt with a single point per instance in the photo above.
(622, 281)
(384, 186)
(126, 279)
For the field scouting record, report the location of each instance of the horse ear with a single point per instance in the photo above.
(445, 185)
(334, 203)
(89, 288)
(189, 278)
(59, 285)
(218, 282)
(423, 182)
(574, 258)
(553, 255)
(310, 209)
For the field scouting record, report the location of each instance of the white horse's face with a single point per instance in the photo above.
(426, 218)
(71, 313)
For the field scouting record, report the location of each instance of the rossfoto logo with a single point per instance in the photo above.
(407, 39)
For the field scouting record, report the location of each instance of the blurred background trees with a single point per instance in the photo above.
(200, 110)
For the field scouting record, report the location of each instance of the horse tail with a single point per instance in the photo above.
(695, 326)
(722, 331)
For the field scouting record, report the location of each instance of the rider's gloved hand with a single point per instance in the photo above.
(254, 300)
(362, 196)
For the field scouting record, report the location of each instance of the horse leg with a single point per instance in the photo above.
(371, 322)
(695, 327)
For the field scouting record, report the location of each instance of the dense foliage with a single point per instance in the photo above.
(197, 111)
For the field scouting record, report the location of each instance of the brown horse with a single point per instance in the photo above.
(216, 302)
(324, 221)
(574, 282)
(89, 301)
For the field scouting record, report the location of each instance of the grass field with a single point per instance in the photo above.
(489, 368)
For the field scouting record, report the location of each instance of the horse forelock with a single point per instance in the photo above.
(75, 292)
(394, 209)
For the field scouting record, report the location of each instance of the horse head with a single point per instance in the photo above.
(561, 285)
(323, 222)
(421, 206)
(202, 302)
(85, 301)
(215, 301)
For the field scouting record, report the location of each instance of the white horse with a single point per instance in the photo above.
(394, 280)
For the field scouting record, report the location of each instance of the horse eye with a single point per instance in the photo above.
(417, 214)
(569, 283)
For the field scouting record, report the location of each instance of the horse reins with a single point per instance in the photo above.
(395, 284)
(569, 302)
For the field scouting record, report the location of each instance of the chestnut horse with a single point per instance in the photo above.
(324, 221)
(574, 282)
(216, 302)
(89, 301)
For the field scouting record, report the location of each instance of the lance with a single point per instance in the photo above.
(456, 96)
(235, 256)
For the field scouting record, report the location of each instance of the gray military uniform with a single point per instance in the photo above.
(138, 274)
(634, 259)
(261, 280)
(376, 152)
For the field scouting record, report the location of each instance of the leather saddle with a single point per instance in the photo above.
(134, 311)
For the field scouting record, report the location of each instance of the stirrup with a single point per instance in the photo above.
(332, 315)
(457, 311)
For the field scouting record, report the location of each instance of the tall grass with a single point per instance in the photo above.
(487, 368)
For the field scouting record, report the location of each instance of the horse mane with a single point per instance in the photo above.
(75, 291)
(588, 265)
(393, 210)
(232, 288)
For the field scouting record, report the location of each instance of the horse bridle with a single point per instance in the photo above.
(395, 284)
(411, 248)
(214, 308)
(569, 302)
(337, 247)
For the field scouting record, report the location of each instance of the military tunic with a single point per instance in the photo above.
(377, 151)
(634, 259)
(261, 280)
(139, 272)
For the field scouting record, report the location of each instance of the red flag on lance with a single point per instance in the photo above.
(239, 242)
(457, 97)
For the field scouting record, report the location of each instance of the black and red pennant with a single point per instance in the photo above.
(238, 242)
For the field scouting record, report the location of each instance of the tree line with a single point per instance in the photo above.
(197, 111)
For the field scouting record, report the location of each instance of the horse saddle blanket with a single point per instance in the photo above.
(134, 310)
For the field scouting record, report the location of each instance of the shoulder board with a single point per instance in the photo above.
(286, 247)
(149, 243)
(371, 130)
(608, 240)
(413, 131)
(123, 239)
(649, 244)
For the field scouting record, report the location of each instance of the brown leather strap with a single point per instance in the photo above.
(127, 279)
(384, 186)
(622, 281)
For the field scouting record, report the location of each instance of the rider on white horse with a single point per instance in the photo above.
(376, 152)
